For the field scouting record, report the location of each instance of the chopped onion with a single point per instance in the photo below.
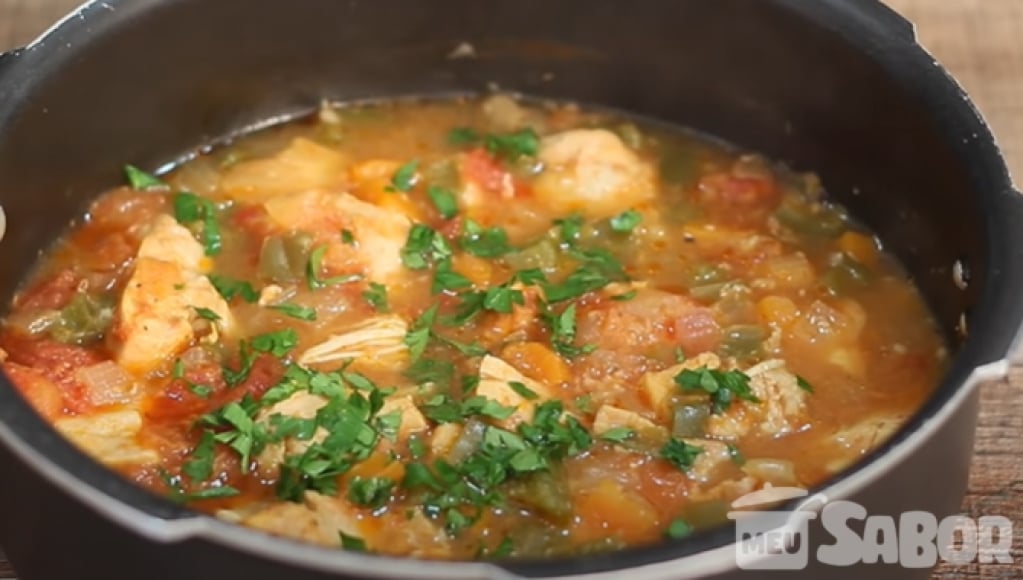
(468, 441)
(773, 471)
(106, 383)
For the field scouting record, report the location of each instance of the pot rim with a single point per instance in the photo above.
(866, 24)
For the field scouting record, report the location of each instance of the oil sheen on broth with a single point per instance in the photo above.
(471, 329)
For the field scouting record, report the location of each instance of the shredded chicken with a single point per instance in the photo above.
(381, 339)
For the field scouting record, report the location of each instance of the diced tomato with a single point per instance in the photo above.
(482, 169)
(738, 200)
(202, 389)
(42, 394)
(50, 294)
(58, 363)
(125, 210)
(254, 220)
(697, 331)
(266, 372)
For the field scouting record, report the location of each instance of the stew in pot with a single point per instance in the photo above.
(473, 328)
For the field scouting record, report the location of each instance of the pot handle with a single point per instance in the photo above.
(1004, 343)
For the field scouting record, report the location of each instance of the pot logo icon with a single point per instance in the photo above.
(773, 540)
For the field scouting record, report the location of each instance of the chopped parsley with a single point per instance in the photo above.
(296, 311)
(353, 543)
(278, 343)
(523, 391)
(405, 178)
(484, 242)
(462, 136)
(142, 181)
(722, 386)
(511, 146)
(804, 384)
(191, 209)
(229, 288)
(347, 237)
(680, 454)
(424, 246)
(618, 434)
(371, 492)
(678, 529)
(376, 296)
(625, 222)
(563, 329)
(443, 200)
(200, 466)
(315, 266)
(418, 335)
(206, 314)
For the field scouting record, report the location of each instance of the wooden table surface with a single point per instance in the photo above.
(981, 42)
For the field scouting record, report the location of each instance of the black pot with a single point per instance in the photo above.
(836, 86)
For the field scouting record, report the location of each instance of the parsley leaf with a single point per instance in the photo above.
(443, 200)
(680, 454)
(678, 529)
(461, 136)
(404, 179)
(206, 314)
(627, 221)
(295, 311)
(278, 343)
(353, 543)
(484, 242)
(370, 491)
(736, 456)
(418, 335)
(142, 181)
(376, 296)
(523, 391)
(618, 434)
(347, 237)
(625, 297)
(200, 466)
(189, 208)
(804, 384)
(424, 246)
(722, 386)
(570, 229)
(315, 266)
(511, 146)
(502, 299)
(445, 278)
(563, 329)
(229, 288)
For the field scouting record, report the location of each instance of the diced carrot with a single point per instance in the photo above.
(538, 362)
(373, 178)
(860, 247)
(777, 311)
(608, 510)
(378, 465)
(791, 271)
(478, 270)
